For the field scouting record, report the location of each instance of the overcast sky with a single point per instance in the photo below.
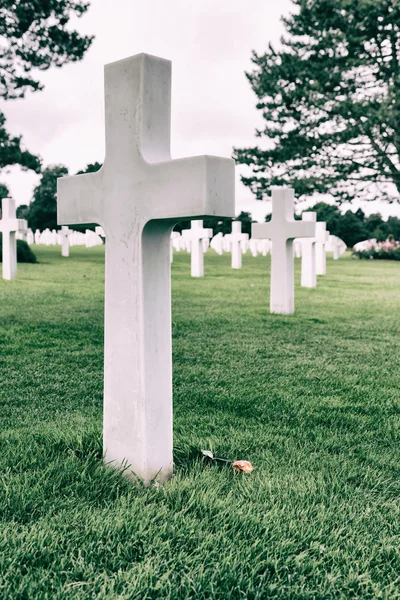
(213, 106)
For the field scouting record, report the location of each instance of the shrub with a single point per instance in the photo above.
(24, 253)
(389, 250)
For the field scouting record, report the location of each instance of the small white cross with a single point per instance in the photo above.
(308, 272)
(336, 246)
(321, 238)
(137, 197)
(9, 225)
(237, 242)
(64, 235)
(217, 243)
(281, 230)
(197, 234)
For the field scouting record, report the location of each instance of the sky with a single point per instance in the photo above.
(213, 106)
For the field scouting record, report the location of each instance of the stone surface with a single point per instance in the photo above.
(9, 225)
(137, 197)
(281, 230)
(308, 271)
(196, 235)
(322, 236)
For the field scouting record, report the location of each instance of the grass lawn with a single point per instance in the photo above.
(312, 400)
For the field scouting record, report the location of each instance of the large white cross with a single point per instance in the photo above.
(308, 272)
(137, 197)
(322, 236)
(9, 225)
(237, 239)
(281, 230)
(196, 235)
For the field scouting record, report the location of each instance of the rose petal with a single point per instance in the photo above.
(208, 454)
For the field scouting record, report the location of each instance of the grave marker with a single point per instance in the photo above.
(281, 230)
(9, 225)
(217, 243)
(137, 197)
(64, 235)
(322, 236)
(237, 241)
(196, 235)
(308, 272)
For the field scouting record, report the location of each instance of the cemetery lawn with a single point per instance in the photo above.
(312, 400)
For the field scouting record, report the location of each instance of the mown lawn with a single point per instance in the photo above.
(312, 400)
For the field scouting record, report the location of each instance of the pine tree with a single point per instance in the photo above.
(330, 100)
(34, 36)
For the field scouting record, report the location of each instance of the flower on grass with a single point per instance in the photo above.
(243, 465)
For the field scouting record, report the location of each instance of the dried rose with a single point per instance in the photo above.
(243, 465)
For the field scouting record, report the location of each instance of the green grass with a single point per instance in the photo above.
(312, 400)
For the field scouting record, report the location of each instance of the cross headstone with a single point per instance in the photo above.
(137, 197)
(281, 230)
(322, 236)
(53, 238)
(217, 243)
(237, 241)
(336, 246)
(45, 237)
(308, 272)
(174, 236)
(196, 234)
(9, 225)
(64, 235)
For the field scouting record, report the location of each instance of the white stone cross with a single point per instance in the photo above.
(137, 197)
(237, 239)
(64, 235)
(308, 272)
(281, 230)
(254, 247)
(336, 246)
(9, 225)
(322, 236)
(217, 243)
(174, 236)
(196, 234)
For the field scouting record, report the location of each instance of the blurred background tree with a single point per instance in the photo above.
(330, 100)
(42, 212)
(34, 36)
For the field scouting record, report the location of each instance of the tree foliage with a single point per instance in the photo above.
(42, 212)
(353, 227)
(330, 102)
(24, 252)
(34, 36)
